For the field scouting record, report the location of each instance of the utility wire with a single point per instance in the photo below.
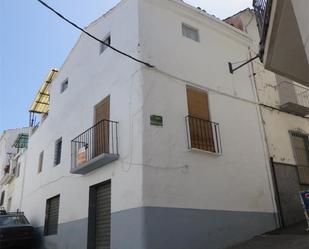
(92, 36)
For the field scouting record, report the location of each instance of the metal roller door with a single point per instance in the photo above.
(103, 216)
(52, 215)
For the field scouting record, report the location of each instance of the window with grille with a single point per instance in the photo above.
(58, 147)
(52, 215)
(41, 162)
(190, 32)
(2, 198)
(17, 172)
(300, 145)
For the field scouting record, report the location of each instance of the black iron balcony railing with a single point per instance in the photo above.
(262, 9)
(101, 140)
(203, 135)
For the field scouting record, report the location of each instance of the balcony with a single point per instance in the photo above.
(283, 28)
(294, 98)
(203, 135)
(95, 147)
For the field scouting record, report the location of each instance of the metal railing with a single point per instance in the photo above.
(203, 135)
(301, 93)
(262, 9)
(102, 138)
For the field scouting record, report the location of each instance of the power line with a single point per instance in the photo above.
(92, 36)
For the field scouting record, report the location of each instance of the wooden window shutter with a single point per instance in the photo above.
(201, 130)
(101, 131)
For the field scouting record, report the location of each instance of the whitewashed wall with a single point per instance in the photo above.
(277, 124)
(92, 77)
(238, 180)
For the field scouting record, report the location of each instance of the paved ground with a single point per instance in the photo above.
(294, 237)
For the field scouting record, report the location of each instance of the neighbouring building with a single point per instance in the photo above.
(284, 32)
(124, 155)
(284, 107)
(13, 144)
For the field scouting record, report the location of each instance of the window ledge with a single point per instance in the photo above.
(194, 150)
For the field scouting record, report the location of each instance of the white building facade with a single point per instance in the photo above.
(284, 107)
(13, 144)
(170, 156)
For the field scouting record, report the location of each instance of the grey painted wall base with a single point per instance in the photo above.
(71, 235)
(176, 228)
(167, 228)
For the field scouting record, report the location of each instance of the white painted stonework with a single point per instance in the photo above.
(155, 168)
(277, 124)
(154, 162)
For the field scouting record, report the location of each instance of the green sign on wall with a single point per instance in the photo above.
(156, 120)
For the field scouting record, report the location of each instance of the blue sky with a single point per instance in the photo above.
(33, 40)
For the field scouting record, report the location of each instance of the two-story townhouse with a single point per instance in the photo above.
(169, 156)
(284, 107)
(13, 143)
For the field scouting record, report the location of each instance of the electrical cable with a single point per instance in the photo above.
(92, 36)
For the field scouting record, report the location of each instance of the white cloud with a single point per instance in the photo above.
(221, 8)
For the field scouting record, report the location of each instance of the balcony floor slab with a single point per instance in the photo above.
(94, 163)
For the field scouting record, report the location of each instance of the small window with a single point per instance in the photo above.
(14, 171)
(41, 162)
(8, 208)
(64, 85)
(190, 32)
(58, 146)
(17, 173)
(103, 47)
(52, 215)
(2, 198)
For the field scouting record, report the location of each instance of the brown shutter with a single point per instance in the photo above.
(201, 132)
(198, 103)
(102, 116)
(103, 216)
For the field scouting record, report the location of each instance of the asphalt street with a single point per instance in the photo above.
(294, 237)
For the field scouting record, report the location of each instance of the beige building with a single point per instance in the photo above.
(284, 106)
